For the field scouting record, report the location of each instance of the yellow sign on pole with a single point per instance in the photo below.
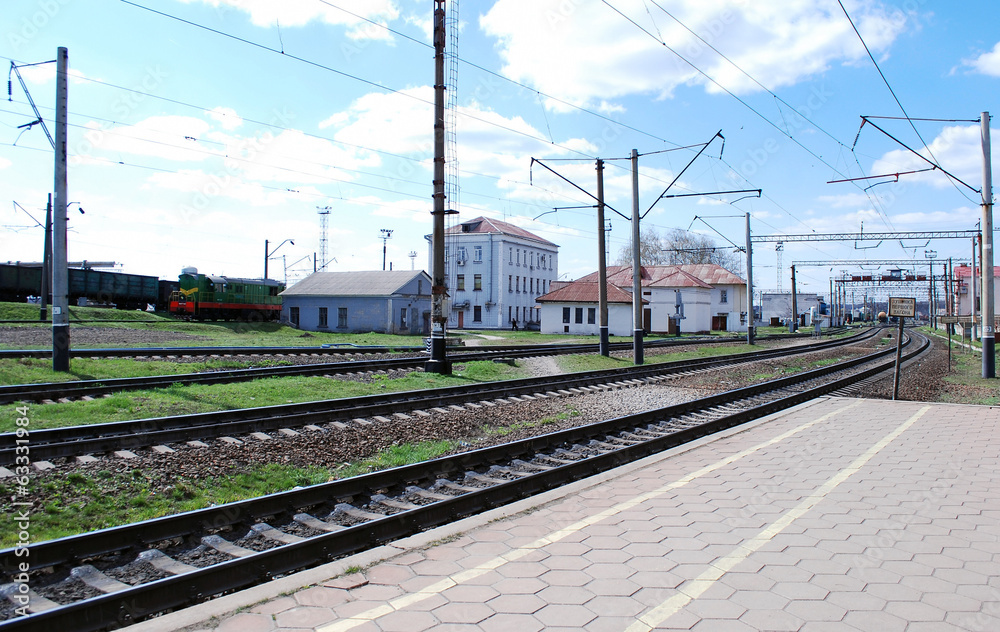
(904, 307)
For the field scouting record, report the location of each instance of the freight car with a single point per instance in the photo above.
(212, 297)
(125, 291)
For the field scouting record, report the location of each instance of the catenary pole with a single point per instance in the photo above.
(636, 265)
(602, 264)
(989, 358)
(438, 362)
(750, 321)
(60, 271)
(794, 325)
(46, 263)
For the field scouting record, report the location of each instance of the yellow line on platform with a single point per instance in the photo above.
(515, 554)
(692, 589)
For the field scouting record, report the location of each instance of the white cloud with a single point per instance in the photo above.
(227, 117)
(4, 163)
(44, 73)
(292, 13)
(958, 149)
(586, 53)
(987, 63)
(167, 137)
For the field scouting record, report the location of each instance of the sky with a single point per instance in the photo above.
(198, 129)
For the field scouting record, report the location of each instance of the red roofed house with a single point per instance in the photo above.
(963, 273)
(713, 299)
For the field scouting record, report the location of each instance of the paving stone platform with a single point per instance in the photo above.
(840, 514)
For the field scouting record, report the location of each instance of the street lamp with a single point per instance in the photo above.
(386, 235)
(267, 253)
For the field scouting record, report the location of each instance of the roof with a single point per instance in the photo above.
(364, 283)
(486, 225)
(585, 292)
(964, 271)
(703, 275)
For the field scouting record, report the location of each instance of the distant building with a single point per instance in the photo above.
(695, 297)
(779, 306)
(495, 271)
(963, 274)
(392, 302)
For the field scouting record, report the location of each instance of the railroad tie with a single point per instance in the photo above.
(41, 466)
(267, 531)
(424, 493)
(339, 425)
(162, 449)
(381, 419)
(36, 602)
(356, 513)
(392, 503)
(163, 562)
(230, 440)
(287, 432)
(5, 473)
(462, 489)
(261, 436)
(421, 413)
(456, 408)
(197, 444)
(316, 524)
(223, 545)
(361, 421)
(125, 454)
(98, 580)
(402, 416)
(310, 428)
(538, 467)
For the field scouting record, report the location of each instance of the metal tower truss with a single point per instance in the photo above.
(940, 234)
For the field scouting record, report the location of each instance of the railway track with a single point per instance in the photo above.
(56, 391)
(113, 577)
(340, 349)
(55, 443)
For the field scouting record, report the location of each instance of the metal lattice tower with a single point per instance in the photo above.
(324, 223)
(451, 187)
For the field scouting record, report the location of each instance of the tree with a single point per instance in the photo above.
(678, 247)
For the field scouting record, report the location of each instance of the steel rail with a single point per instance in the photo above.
(134, 603)
(126, 435)
(80, 388)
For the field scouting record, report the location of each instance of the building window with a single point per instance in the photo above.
(477, 254)
(477, 282)
(293, 315)
(322, 318)
(565, 314)
(532, 285)
(541, 261)
(460, 282)
(477, 314)
(402, 318)
(420, 286)
(342, 318)
(723, 296)
(519, 256)
(510, 255)
(461, 254)
(510, 284)
(517, 284)
(579, 315)
(591, 315)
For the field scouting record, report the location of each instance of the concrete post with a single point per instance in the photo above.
(60, 271)
(602, 264)
(989, 357)
(636, 265)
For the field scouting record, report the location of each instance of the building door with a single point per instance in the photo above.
(647, 319)
(461, 320)
(719, 322)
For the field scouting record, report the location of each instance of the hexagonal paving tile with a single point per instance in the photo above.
(247, 622)
(511, 623)
(517, 604)
(463, 612)
(407, 621)
(304, 617)
(320, 596)
(567, 616)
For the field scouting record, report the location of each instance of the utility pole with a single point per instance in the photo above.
(438, 362)
(602, 264)
(794, 325)
(750, 321)
(972, 290)
(385, 236)
(266, 255)
(636, 266)
(60, 271)
(46, 262)
(989, 357)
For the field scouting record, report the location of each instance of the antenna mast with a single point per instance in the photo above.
(324, 223)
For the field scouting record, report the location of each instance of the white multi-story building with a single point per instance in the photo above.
(494, 272)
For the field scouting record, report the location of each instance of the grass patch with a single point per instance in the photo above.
(80, 503)
(397, 456)
(178, 399)
(39, 370)
(502, 431)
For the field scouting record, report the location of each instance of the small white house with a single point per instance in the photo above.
(572, 309)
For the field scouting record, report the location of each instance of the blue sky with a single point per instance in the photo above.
(194, 137)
